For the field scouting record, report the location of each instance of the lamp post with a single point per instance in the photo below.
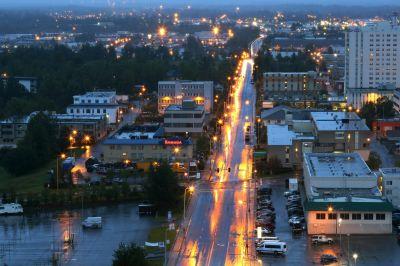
(62, 156)
(340, 236)
(191, 190)
(355, 257)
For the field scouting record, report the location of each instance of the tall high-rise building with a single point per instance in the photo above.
(373, 55)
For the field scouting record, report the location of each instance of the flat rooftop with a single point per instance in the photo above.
(197, 108)
(336, 165)
(342, 121)
(279, 135)
(395, 171)
(99, 94)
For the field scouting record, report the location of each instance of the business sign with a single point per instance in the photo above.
(172, 142)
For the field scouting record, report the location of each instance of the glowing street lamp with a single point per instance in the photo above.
(62, 156)
(162, 31)
(191, 189)
(355, 257)
(215, 30)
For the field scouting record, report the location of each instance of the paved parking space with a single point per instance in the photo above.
(372, 250)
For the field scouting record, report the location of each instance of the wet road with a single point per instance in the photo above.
(32, 239)
(219, 221)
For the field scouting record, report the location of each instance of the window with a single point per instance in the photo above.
(345, 216)
(388, 183)
(356, 216)
(332, 216)
(368, 216)
(320, 216)
(380, 216)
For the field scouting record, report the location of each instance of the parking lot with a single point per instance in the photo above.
(371, 250)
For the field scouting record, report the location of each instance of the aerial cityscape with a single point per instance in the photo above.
(188, 132)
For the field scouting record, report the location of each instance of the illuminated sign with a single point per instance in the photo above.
(172, 142)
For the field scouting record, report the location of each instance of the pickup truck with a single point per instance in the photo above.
(321, 239)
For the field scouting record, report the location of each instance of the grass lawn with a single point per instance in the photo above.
(32, 182)
(158, 235)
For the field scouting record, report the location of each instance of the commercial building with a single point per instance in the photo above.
(340, 132)
(396, 100)
(12, 130)
(357, 98)
(343, 197)
(287, 146)
(187, 118)
(97, 103)
(292, 132)
(176, 91)
(146, 143)
(292, 84)
(94, 126)
(389, 182)
(372, 55)
(383, 127)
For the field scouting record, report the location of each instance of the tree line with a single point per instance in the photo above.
(63, 73)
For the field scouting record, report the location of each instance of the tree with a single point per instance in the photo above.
(374, 161)
(37, 147)
(203, 145)
(129, 255)
(162, 187)
(274, 165)
(383, 108)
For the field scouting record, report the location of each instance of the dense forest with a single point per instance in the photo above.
(63, 73)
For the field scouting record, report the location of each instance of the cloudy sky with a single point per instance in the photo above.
(8, 3)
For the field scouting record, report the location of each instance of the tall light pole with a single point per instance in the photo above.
(340, 236)
(355, 257)
(62, 156)
(191, 190)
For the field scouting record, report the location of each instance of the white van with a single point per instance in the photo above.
(260, 240)
(92, 222)
(271, 247)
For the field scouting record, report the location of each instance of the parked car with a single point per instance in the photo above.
(295, 208)
(294, 197)
(264, 231)
(295, 219)
(92, 222)
(270, 247)
(321, 239)
(266, 190)
(290, 193)
(295, 213)
(328, 258)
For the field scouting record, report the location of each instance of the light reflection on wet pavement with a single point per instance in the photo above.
(33, 238)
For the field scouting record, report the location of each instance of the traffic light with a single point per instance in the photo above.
(217, 170)
(229, 169)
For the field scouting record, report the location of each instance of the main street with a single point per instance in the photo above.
(220, 221)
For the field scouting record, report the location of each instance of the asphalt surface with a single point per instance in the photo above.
(219, 220)
(372, 250)
(32, 239)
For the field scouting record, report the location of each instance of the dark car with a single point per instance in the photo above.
(328, 258)
(396, 219)
(89, 164)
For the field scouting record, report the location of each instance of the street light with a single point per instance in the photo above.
(62, 156)
(162, 31)
(355, 257)
(191, 190)
(340, 236)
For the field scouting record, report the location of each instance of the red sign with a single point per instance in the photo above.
(172, 142)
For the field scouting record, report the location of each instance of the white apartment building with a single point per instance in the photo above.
(389, 182)
(176, 91)
(372, 55)
(97, 103)
(343, 196)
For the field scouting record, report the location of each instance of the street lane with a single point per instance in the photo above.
(220, 216)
